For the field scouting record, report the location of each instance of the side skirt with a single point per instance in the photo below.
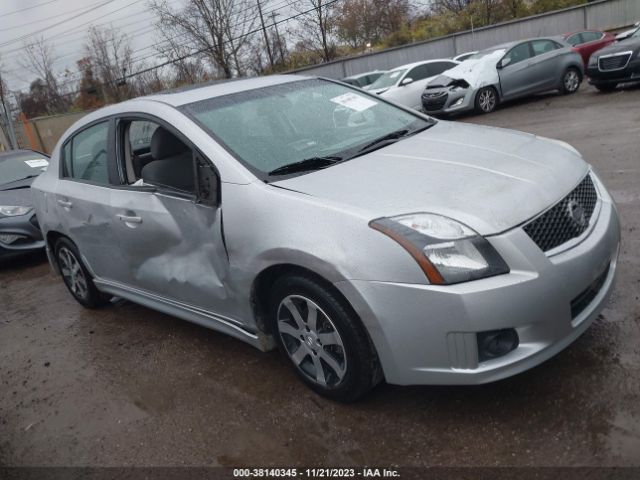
(186, 312)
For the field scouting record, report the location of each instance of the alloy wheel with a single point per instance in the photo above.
(571, 81)
(72, 273)
(487, 100)
(311, 340)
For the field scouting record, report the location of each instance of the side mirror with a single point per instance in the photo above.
(504, 62)
(406, 81)
(208, 192)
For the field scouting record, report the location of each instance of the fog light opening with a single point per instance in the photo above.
(496, 343)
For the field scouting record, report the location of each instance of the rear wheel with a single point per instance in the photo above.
(486, 100)
(326, 344)
(607, 87)
(76, 277)
(571, 81)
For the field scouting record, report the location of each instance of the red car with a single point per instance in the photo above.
(588, 41)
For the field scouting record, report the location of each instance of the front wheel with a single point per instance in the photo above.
(326, 344)
(486, 100)
(571, 81)
(76, 276)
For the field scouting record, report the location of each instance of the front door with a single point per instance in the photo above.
(170, 241)
(514, 75)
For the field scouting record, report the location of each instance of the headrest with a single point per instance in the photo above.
(165, 144)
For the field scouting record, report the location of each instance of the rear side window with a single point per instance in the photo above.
(85, 155)
(519, 53)
(540, 47)
(436, 68)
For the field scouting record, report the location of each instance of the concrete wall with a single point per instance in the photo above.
(603, 14)
(42, 133)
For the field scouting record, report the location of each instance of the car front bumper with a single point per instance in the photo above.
(445, 101)
(27, 227)
(426, 334)
(631, 73)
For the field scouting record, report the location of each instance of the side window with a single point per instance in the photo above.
(540, 47)
(418, 73)
(591, 36)
(85, 155)
(519, 53)
(153, 155)
(436, 68)
(575, 39)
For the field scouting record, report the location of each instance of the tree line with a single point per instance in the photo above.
(205, 40)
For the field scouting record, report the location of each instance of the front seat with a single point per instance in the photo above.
(172, 164)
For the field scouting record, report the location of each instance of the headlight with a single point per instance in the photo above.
(593, 60)
(14, 211)
(447, 251)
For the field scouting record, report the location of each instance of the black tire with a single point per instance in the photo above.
(571, 80)
(486, 100)
(80, 284)
(356, 356)
(606, 87)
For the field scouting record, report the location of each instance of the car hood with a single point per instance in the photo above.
(476, 72)
(632, 44)
(488, 178)
(17, 197)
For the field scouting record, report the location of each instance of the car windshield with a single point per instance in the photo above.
(18, 166)
(486, 53)
(388, 79)
(302, 121)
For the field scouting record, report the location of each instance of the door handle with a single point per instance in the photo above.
(65, 204)
(129, 219)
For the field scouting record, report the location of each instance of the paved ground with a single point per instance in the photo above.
(126, 385)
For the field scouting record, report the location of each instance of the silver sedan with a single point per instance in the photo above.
(503, 73)
(365, 240)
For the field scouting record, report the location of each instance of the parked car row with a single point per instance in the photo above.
(482, 80)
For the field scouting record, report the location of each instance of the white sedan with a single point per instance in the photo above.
(406, 83)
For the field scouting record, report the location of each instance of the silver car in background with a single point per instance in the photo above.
(502, 73)
(366, 240)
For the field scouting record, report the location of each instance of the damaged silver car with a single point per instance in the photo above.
(366, 240)
(502, 73)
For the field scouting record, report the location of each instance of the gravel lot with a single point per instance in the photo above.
(128, 386)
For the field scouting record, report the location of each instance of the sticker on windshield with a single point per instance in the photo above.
(354, 101)
(39, 163)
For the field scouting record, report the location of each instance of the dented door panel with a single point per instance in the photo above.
(173, 248)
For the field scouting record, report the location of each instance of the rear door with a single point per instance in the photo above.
(545, 66)
(515, 79)
(592, 41)
(83, 194)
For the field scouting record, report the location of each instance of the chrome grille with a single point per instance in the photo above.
(614, 62)
(567, 219)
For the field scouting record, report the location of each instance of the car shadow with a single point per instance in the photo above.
(23, 261)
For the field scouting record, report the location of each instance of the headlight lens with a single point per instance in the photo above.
(447, 251)
(593, 60)
(14, 211)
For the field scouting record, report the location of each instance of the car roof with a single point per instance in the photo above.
(358, 75)
(508, 45)
(10, 154)
(195, 93)
(415, 64)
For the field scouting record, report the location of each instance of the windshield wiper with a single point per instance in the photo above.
(313, 163)
(387, 140)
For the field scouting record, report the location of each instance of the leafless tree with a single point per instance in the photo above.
(220, 29)
(39, 59)
(316, 27)
(110, 54)
(453, 6)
